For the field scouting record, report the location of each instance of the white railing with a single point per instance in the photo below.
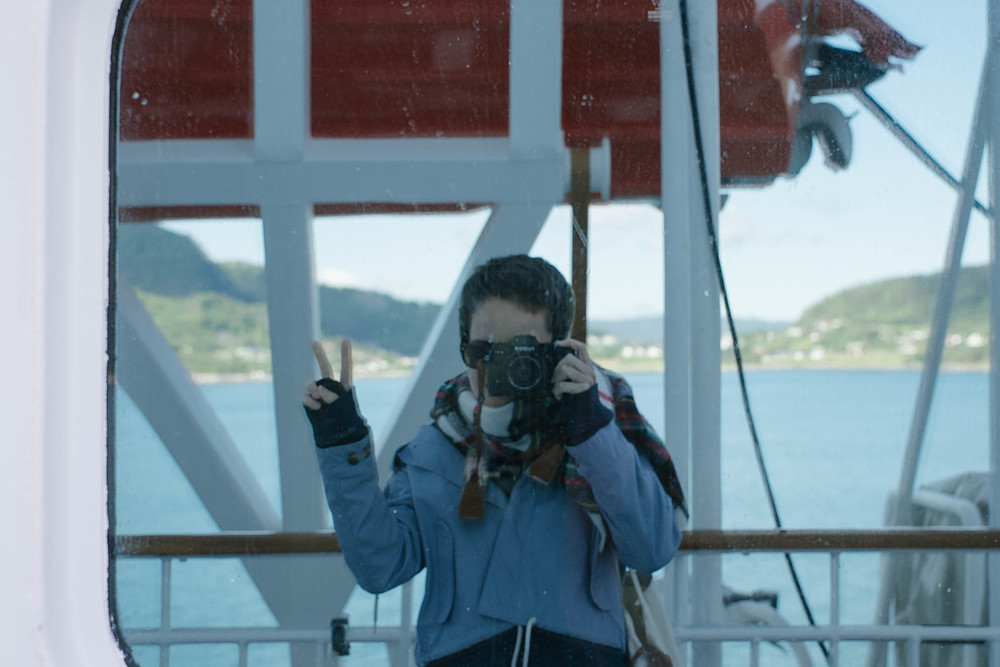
(169, 548)
(752, 628)
(399, 639)
(970, 543)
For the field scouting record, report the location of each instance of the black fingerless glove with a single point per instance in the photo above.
(583, 414)
(340, 422)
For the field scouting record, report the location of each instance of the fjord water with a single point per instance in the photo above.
(832, 441)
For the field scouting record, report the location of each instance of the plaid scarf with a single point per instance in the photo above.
(533, 441)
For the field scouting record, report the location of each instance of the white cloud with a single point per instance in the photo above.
(338, 278)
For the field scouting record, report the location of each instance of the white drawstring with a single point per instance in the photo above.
(527, 640)
(517, 646)
(525, 633)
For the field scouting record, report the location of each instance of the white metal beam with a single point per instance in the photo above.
(293, 325)
(943, 302)
(536, 37)
(392, 171)
(155, 379)
(312, 590)
(691, 295)
(281, 59)
(677, 171)
(991, 82)
(149, 370)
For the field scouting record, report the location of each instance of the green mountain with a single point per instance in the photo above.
(650, 329)
(215, 315)
(882, 324)
(377, 319)
(161, 262)
(907, 302)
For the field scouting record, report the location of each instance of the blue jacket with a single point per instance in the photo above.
(534, 554)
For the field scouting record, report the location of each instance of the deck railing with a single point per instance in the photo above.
(695, 543)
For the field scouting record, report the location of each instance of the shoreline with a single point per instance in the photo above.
(260, 376)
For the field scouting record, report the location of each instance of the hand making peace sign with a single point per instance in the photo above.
(316, 394)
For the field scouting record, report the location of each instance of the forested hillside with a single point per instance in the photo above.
(215, 316)
(882, 324)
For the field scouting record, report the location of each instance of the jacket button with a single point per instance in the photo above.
(354, 458)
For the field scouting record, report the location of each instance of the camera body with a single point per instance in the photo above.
(523, 367)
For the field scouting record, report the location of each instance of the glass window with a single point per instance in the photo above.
(330, 169)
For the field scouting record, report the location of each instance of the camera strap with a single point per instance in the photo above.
(472, 503)
(545, 467)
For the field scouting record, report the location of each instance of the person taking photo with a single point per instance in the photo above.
(534, 482)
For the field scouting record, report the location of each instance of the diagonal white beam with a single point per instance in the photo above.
(149, 370)
(944, 299)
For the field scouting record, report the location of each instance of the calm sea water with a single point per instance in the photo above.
(832, 441)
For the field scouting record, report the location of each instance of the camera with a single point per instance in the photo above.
(523, 367)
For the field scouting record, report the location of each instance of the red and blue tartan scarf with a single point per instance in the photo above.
(535, 442)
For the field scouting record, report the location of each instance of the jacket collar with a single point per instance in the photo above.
(432, 452)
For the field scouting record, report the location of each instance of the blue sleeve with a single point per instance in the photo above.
(639, 514)
(377, 530)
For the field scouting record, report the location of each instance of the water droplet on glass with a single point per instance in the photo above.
(135, 96)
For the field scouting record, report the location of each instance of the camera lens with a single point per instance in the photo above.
(524, 372)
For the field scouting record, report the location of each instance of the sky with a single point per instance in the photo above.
(783, 247)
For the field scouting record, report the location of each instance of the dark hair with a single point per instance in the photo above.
(530, 282)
